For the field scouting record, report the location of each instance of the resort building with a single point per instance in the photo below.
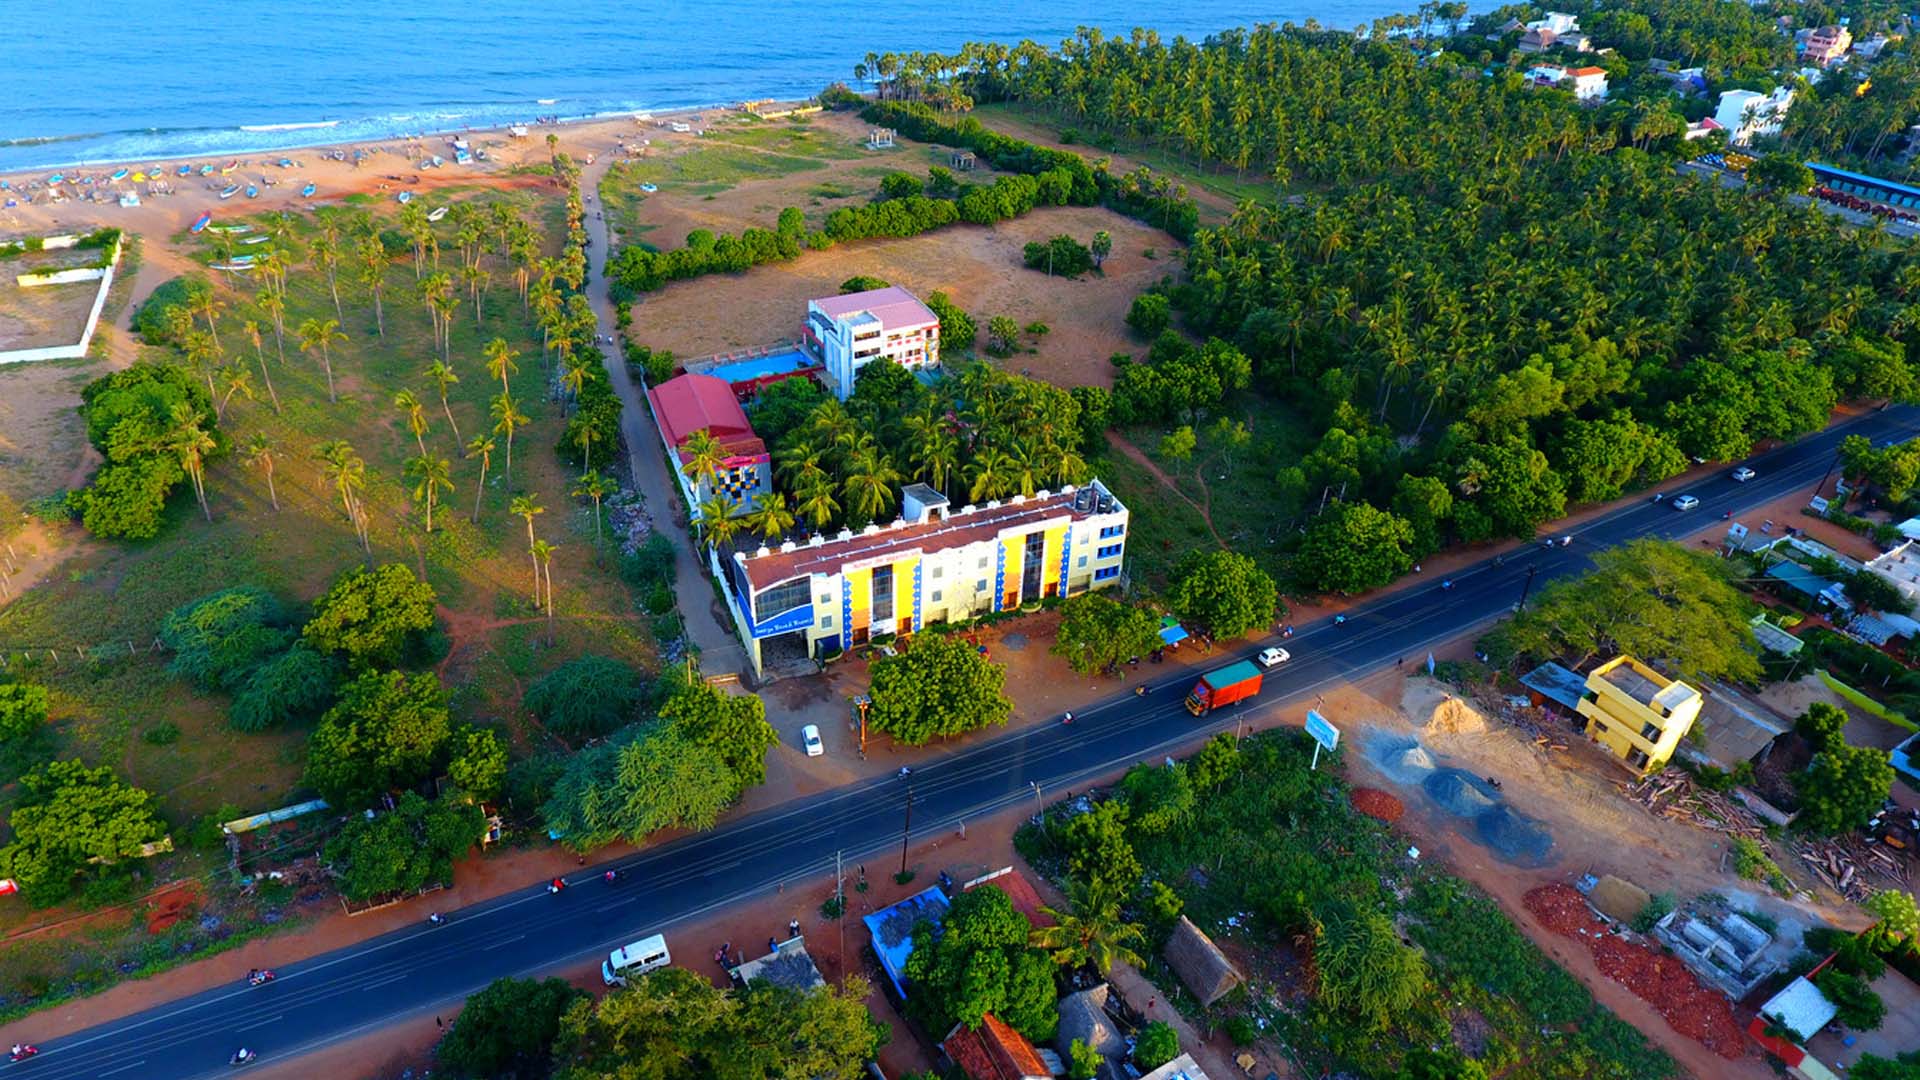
(1556, 22)
(1637, 714)
(1747, 115)
(849, 332)
(933, 565)
(1589, 84)
(686, 404)
(1826, 44)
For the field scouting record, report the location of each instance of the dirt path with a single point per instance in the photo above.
(1126, 448)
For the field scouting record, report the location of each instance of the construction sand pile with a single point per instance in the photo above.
(1458, 792)
(1435, 707)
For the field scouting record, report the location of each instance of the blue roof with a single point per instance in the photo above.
(1556, 683)
(892, 930)
(1863, 178)
(1799, 577)
(1173, 635)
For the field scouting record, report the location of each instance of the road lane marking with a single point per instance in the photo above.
(263, 1023)
(123, 1068)
(386, 982)
(503, 944)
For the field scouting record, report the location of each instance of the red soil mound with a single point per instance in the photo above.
(171, 906)
(1378, 804)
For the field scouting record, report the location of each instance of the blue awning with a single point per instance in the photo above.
(1173, 635)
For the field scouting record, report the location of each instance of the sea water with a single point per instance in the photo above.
(94, 81)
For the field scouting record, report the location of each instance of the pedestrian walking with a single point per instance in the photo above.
(772, 945)
(793, 928)
(439, 1023)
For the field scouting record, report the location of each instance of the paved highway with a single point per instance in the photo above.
(413, 971)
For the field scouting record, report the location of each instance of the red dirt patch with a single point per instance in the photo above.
(1377, 804)
(171, 906)
(1696, 1011)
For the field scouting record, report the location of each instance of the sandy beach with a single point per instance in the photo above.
(388, 167)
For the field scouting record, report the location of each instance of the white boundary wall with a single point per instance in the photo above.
(68, 352)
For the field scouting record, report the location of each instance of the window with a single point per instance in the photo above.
(781, 598)
(826, 622)
(939, 572)
(1650, 733)
(980, 586)
(1106, 573)
(1108, 551)
(825, 598)
(982, 566)
(1083, 562)
(936, 596)
(882, 593)
(1110, 531)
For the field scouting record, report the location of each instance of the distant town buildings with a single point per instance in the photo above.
(933, 565)
(1824, 45)
(1747, 115)
(1558, 28)
(851, 331)
(690, 403)
(1637, 714)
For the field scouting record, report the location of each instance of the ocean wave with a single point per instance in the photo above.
(291, 127)
(44, 140)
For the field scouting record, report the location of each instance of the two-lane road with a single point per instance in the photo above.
(411, 971)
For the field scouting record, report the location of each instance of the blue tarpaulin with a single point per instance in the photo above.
(1171, 632)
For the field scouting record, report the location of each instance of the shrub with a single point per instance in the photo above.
(588, 696)
(23, 708)
(957, 330)
(1156, 1045)
(219, 639)
(295, 686)
(1062, 255)
(372, 617)
(152, 322)
(1150, 315)
(1860, 1008)
(165, 733)
(867, 282)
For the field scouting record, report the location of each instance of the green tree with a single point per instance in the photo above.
(1649, 598)
(405, 849)
(1365, 971)
(1224, 591)
(978, 961)
(586, 697)
(1098, 851)
(1425, 503)
(734, 726)
(1842, 788)
(646, 778)
(1098, 632)
(1822, 725)
(507, 1028)
(1150, 315)
(939, 686)
(1860, 1007)
(372, 616)
(1447, 1063)
(1091, 930)
(219, 639)
(1101, 247)
(1160, 797)
(1003, 335)
(1780, 172)
(1353, 547)
(477, 760)
(67, 814)
(867, 282)
(1874, 1067)
(23, 708)
(388, 730)
(1155, 1045)
(296, 685)
(957, 330)
(1178, 445)
(1899, 920)
(1083, 1061)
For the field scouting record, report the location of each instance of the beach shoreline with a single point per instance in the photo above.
(390, 165)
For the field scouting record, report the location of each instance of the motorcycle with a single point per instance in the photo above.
(610, 875)
(259, 977)
(556, 885)
(1140, 691)
(23, 1051)
(437, 919)
(243, 1056)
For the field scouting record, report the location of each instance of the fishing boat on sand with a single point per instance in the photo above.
(130, 199)
(185, 170)
(206, 170)
(200, 222)
(229, 166)
(307, 192)
(120, 174)
(231, 191)
(256, 239)
(253, 191)
(438, 213)
(236, 268)
(56, 178)
(404, 197)
(286, 163)
(233, 228)
(141, 178)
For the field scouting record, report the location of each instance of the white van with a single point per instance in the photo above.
(633, 960)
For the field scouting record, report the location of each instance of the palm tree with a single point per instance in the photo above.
(434, 475)
(584, 438)
(238, 380)
(413, 222)
(348, 474)
(326, 252)
(201, 352)
(260, 454)
(192, 443)
(507, 417)
(936, 452)
(482, 446)
(869, 482)
(1090, 931)
(990, 470)
(771, 517)
(526, 507)
(816, 501)
(719, 522)
(410, 407)
(442, 375)
(574, 378)
(207, 306)
(596, 486)
(252, 330)
(500, 362)
(322, 335)
(543, 562)
(432, 291)
(371, 268)
(702, 457)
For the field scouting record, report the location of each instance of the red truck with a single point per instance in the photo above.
(1235, 682)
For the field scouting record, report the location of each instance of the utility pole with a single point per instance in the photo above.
(1525, 587)
(906, 831)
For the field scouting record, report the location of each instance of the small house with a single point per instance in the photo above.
(994, 1052)
(1205, 971)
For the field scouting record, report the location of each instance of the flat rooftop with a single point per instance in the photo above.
(1633, 684)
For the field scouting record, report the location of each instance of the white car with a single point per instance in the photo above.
(1274, 657)
(1685, 502)
(1744, 474)
(810, 738)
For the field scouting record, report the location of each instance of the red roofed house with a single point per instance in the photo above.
(995, 1052)
(692, 403)
(851, 331)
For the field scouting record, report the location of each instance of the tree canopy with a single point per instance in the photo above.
(23, 708)
(978, 961)
(938, 687)
(219, 639)
(373, 616)
(587, 696)
(1098, 632)
(1842, 787)
(507, 1028)
(404, 849)
(1224, 591)
(388, 730)
(133, 417)
(67, 814)
(1353, 547)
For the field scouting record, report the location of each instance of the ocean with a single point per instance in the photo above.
(98, 81)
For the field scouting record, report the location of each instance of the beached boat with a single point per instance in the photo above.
(130, 199)
(243, 260)
(438, 161)
(236, 268)
(286, 163)
(404, 197)
(119, 174)
(307, 192)
(231, 191)
(201, 221)
(649, 188)
(206, 170)
(438, 213)
(56, 178)
(229, 166)
(256, 239)
(141, 178)
(185, 170)
(253, 191)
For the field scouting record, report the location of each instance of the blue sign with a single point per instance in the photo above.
(786, 622)
(1322, 730)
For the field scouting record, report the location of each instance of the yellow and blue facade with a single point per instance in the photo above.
(932, 565)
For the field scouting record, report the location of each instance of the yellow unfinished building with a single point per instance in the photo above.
(1637, 714)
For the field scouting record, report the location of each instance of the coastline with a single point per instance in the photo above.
(391, 164)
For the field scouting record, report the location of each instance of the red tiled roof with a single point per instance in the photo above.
(1586, 71)
(995, 1052)
(690, 402)
(1026, 899)
(895, 307)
